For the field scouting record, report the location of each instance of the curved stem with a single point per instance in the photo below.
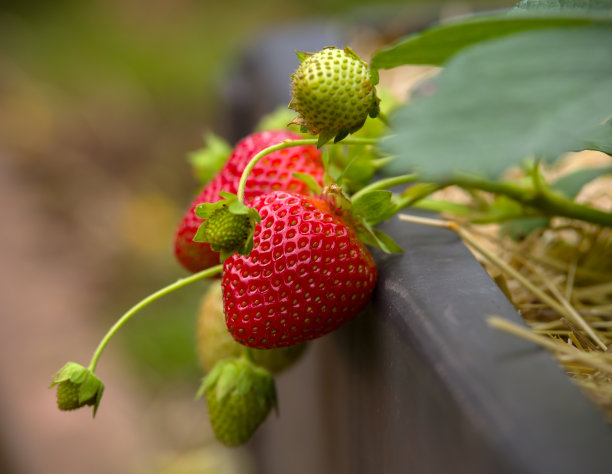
(386, 183)
(145, 302)
(290, 144)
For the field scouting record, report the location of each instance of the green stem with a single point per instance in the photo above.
(247, 353)
(413, 198)
(290, 144)
(543, 199)
(385, 183)
(383, 118)
(145, 302)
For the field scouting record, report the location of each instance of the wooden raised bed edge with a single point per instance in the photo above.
(421, 383)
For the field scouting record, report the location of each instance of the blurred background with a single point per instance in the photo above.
(101, 103)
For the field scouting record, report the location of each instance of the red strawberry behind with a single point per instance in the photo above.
(307, 274)
(273, 172)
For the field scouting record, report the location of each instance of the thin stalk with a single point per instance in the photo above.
(589, 358)
(412, 198)
(543, 199)
(145, 302)
(570, 312)
(385, 183)
(247, 353)
(290, 144)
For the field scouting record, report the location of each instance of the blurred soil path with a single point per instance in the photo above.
(47, 305)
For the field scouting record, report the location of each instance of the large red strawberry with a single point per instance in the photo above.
(307, 274)
(273, 172)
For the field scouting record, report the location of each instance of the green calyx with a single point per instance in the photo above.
(77, 387)
(208, 160)
(228, 225)
(240, 395)
(361, 211)
(334, 93)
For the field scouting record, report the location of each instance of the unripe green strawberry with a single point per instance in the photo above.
(224, 230)
(333, 93)
(68, 396)
(77, 387)
(239, 396)
(228, 225)
(214, 342)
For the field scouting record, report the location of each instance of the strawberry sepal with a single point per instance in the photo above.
(240, 395)
(77, 387)
(228, 225)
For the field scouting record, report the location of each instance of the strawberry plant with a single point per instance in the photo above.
(288, 219)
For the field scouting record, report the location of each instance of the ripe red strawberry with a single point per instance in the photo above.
(273, 172)
(214, 343)
(307, 274)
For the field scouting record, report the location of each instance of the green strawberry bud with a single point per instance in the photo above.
(228, 225)
(239, 396)
(77, 387)
(68, 396)
(333, 93)
(224, 230)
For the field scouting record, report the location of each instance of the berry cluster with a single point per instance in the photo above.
(305, 273)
(289, 243)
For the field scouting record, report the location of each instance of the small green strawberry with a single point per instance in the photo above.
(333, 93)
(240, 396)
(224, 230)
(214, 342)
(68, 396)
(228, 225)
(77, 387)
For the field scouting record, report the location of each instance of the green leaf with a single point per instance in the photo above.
(302, 56)
(324, 137)
(68, 371)
(204, 210)
(227, 380)
(236, 207)
(387, 244)
(504, 100)
(228, 196)
(79, 376)
(563, 5)
(372, 204)
(201, 234)
(211, 378)
(98, 398)
(359, 172)
(520, 228)
(600, 139)
(572, 183)
(309, 181)
(278, 119)
(89, 388)
(376, 238)
(439, 43)
(209, 160)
